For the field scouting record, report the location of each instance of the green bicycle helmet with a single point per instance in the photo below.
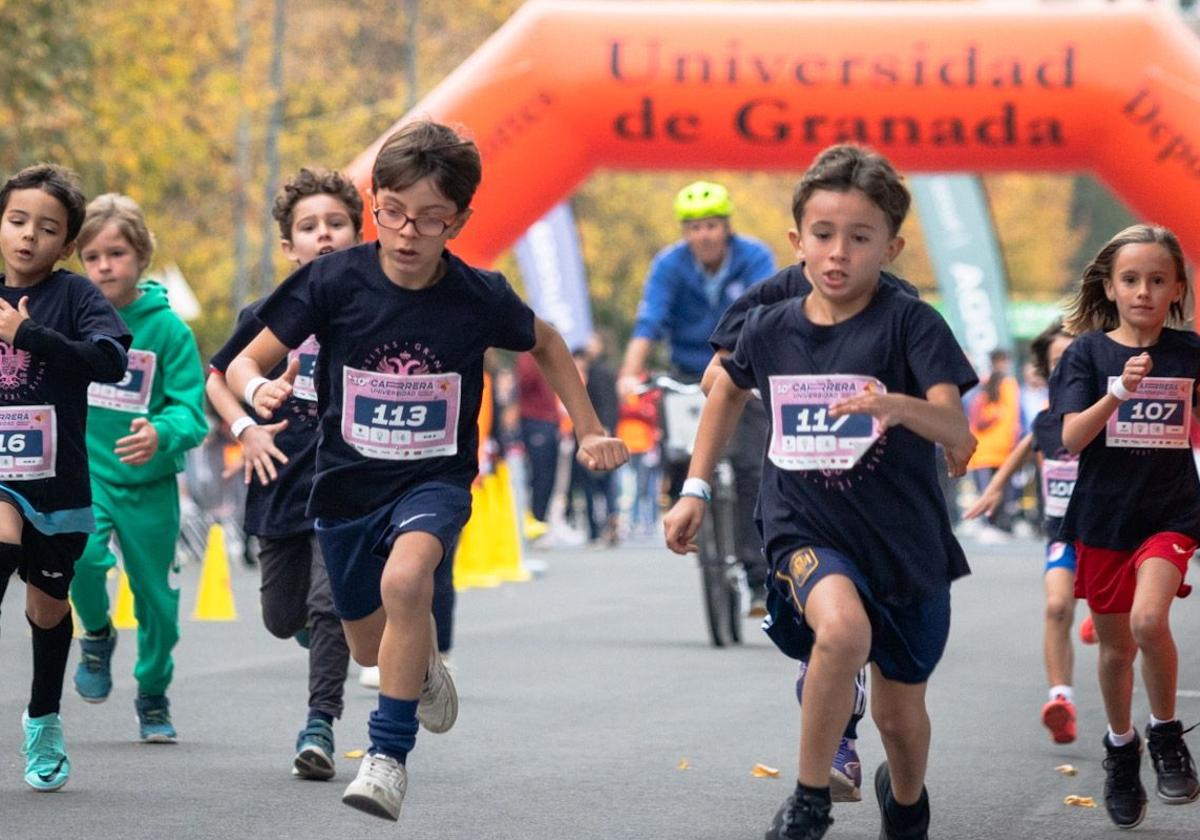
(702, 200)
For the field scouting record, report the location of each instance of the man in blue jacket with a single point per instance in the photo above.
(689, 286)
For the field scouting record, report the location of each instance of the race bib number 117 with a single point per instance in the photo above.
(805, 436)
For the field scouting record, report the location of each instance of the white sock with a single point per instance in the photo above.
(1065, 691)
(1121, 740)
(1156, 722)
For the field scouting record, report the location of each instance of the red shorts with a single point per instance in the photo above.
(1108, 578)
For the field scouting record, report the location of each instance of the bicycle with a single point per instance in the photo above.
(721, 575)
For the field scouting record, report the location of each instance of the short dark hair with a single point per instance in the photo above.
(845, 167)
(58, 181)
(309, 182)
(425, 148)
(1039, 348)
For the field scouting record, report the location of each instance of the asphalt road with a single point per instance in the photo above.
(582, 692)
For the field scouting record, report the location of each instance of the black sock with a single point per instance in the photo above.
(317, 714)
(911, 816)
(50, 651)
(821, 793)
(10, 561)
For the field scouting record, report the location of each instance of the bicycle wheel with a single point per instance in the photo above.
(724, 530)
(712, 585)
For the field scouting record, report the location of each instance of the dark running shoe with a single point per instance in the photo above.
(1124, 796)
(801, 817)
(888, 829)
(1177, 784)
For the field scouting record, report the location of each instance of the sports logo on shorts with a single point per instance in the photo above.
(801, 566)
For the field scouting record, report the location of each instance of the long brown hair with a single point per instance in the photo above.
(1091, 309)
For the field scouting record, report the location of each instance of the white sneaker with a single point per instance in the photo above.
(379, 787)
(368, 677)
(438, 707)
(991, 535)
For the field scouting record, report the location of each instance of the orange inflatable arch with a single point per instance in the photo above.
(565, 87)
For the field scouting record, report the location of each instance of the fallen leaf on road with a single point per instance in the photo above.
(1066, 769)
(683, 765)
(1080, 801)
(762, 771)
(354, 754)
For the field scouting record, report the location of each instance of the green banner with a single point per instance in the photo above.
(966, 261)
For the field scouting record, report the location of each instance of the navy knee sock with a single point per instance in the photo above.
(393, 727)
(50, 651)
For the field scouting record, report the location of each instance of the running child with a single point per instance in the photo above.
(1058, 469)
(319, 212)
(57, 334)
(138, 433)
(845, 774)
(860, 381)
(403, 326)
(1125, 390)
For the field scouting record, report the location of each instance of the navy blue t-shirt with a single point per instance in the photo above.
(401, 371)
(1125, 495)
(71, 306)
(278, 510)
(1057, 465)
(886, 513)
(787, 284)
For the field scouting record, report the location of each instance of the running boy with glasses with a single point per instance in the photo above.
(403, 325)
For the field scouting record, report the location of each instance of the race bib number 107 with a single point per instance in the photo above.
(804, 436)
(1157, 416)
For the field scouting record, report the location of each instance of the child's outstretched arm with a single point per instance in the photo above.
(598, 450)
(718, 419)
(259, 452)
(939, 418)
(993, 494)
(1080, 428)
(263, 352)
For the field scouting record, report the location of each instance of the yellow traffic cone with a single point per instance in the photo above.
(470, 561)
(214, 598)
(123, 617)
(506, 539)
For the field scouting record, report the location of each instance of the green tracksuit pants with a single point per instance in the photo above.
(145, 519)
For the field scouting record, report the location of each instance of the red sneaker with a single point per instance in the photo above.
(1087, 631)
(1059, 717)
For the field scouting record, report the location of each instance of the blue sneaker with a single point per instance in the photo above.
(154, 719)
(845, 774)
(93, 676)
(46, 764)
(303, 637)
(314, 751)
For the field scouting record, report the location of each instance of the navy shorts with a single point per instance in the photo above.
(906, 641)
(356, 550)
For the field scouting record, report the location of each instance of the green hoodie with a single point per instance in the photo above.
(165, 383)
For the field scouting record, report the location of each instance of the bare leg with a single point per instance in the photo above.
(1117, 652)
(903, 722)
(835, 613)
(1150, 623)
(1060, 612)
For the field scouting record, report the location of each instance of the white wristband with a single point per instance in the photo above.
(240, 425)
(1118, 390)
(697, 488)
(252, 386)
